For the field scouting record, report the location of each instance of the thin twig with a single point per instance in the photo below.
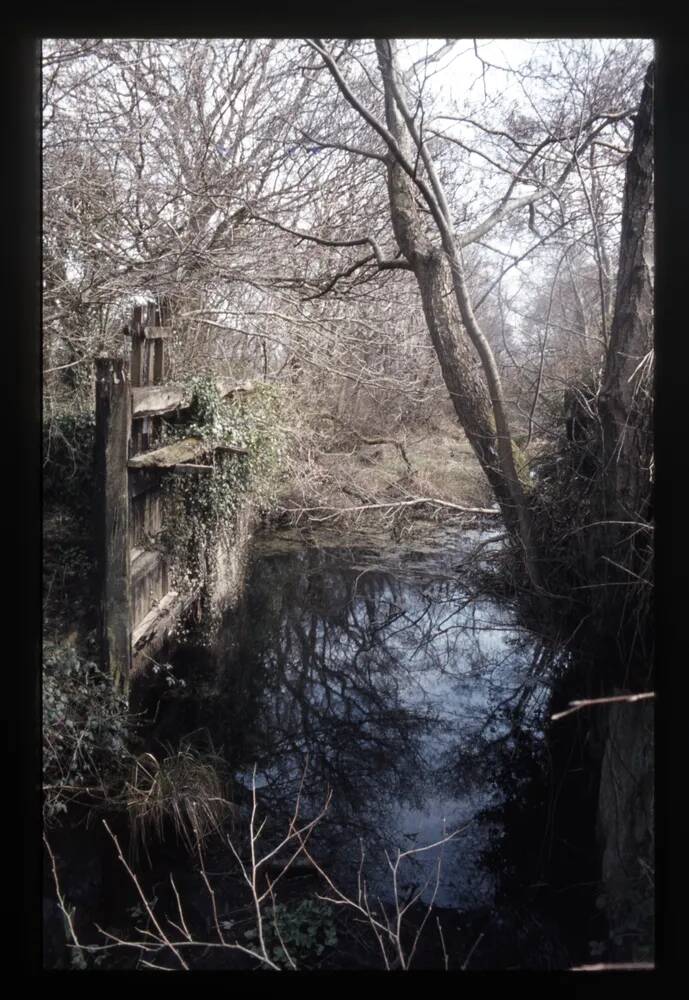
(576, 705)
(179, 907)
(65, 912)
(473, 948)
(144, 900)
(442, 942)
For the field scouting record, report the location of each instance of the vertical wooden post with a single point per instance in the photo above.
(137, 373)
(113, 427)
(137, 333)
(158, 361)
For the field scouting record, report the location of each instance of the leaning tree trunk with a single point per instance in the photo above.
(623, 401)
(466, 360)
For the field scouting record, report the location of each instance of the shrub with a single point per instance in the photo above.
(68, 461)
(85, 727)
(305, 929)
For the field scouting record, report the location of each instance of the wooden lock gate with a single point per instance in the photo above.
(138, 610)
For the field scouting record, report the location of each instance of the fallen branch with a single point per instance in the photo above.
(618, 967)
(576, 705)
(335, 511)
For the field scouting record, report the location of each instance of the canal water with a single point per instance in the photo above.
(375, 676)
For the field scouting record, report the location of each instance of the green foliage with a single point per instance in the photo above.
(69, 599)
(85, 726)
(68, 493)
(68, 466)
(248, 420)
(306, 929)
(197, 508)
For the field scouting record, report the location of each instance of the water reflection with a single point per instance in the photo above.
(397, 687)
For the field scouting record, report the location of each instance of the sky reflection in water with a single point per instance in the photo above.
(399, 689)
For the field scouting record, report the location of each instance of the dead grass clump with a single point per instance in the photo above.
(182, 790)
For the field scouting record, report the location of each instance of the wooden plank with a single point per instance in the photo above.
(145, 563)
(149, 350)
(143, 480)
(172, 454)
(160, 399)
(145, 433)
(151, 401)
(157, 332)
(187, 467)
(136, 444)
(145, 516)
(136, 523)
(146, 594)
(148, 584)
(137, 361)
(158, 362)
(113, 427)
(156, 627)
(154, 514)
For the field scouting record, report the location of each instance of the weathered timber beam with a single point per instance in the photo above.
(159, 619)
(113, 428)
(143, 563)
(188, 467)
(171, 455)
(143, 480)
(180, 456)
(155, 630)
(156, 400)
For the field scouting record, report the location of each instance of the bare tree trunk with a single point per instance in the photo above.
(626, 433)
(473, 381)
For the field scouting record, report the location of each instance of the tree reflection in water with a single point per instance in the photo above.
(394, 686)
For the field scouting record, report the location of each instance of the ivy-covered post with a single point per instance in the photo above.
(113, 428)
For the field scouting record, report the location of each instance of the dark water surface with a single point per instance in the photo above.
(414, 702)
(394, 685)
(377, 677)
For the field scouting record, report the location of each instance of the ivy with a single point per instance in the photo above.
(199, 508)
(306, 929)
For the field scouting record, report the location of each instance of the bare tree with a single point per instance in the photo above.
(282, 192)
(630, 353)
(430, 245)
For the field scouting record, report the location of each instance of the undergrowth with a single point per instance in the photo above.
(86, 729)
